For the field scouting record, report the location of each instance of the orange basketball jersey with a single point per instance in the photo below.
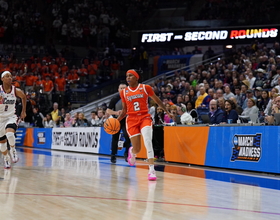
(137, 99)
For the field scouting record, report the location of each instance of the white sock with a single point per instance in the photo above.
(151, 168)
(133, 153)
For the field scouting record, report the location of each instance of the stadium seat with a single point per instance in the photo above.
(202, 111)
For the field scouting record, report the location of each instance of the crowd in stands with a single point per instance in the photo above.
(100, 23)
(46, 79)
(61, 117)
(253, 12)
(229, 90)
(21, 23)
(75, 23)
(249, 78)
(246, 83)
(87, 23)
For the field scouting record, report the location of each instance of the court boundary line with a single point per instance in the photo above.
(142, 201)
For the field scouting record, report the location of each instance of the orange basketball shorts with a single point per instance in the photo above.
(135, 123)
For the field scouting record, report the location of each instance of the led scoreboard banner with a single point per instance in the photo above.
(199, 36)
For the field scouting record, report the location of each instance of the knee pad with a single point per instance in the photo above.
(3, 147)
(147, 134)
(11, 138)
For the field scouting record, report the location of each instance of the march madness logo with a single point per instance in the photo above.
(246, 147)
(41, 138)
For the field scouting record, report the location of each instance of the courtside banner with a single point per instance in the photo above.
(243, 178)
(20, 134)
(76, 139)
(253, 148)
(105, 144)
(42, 138)
(185, 144)
(28, 138)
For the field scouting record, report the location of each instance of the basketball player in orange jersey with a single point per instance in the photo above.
(8, 117)
(135, 106)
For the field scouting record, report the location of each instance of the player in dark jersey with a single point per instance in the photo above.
(114, 108)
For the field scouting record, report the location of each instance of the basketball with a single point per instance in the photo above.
(112, 125)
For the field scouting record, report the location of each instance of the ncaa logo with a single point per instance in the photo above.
(246, 147)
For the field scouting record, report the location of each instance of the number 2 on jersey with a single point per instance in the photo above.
(136, 106)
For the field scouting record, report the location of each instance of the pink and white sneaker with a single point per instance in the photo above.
(152, 176)
(7, 164)
(131, 157)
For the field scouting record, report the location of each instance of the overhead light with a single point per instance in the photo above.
(228, 46)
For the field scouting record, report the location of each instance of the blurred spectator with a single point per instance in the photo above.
(62, 118)
(60, 84)
(37, 118)
(263, 102)
(48, 89)
(68, 120)
(203, 99)
(92, 71)
(56, 114)
(28, 81)
(278, 85)
(230, 112)
(215, 114)
(30, 104)
(275, 109)
(209, 53)
(274, 77)
(81, 121)
(258, 93)
(238, 96)
(83, 74)
(260, 78)
(219, 93)
(249, 95)
(99, 119)
(115, 68)
(190, 108)
(251, 109)
(174, 112)
(227, 94)
(152, 108)
(166, 118)
(211, 93)
(93, 115)
(196, 50)
(159, 116)
(75, 118)
(273, 94)
(238, 108)
(48, 122)
(38, 86)
(73, 79)
(221, 103)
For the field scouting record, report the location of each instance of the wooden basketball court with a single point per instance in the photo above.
(48, 184)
